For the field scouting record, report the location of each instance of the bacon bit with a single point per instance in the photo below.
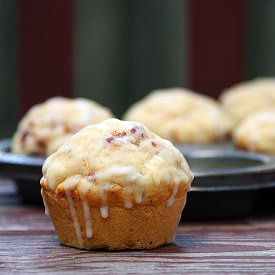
(138, 131)
(61, 194)
(41, 144)
(154, 144)
(133, 130)
(70, 130)
(120, 134)
(67, 129)
(109, 139)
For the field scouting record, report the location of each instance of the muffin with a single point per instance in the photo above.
(249, 97)
(181, 116)
(256, 133)
(115, 185)
(48, 125)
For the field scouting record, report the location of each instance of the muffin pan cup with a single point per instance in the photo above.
(228, 182)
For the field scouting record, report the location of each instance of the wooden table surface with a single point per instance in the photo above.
(237, 246)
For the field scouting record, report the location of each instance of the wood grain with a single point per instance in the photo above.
(238, 246)
(28, 244)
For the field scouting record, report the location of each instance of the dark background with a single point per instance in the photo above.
(115, 52)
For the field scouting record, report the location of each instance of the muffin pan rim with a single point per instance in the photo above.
(30, 167)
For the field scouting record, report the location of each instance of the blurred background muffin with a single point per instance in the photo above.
(115, 52)
(257, 133)
(247, 98)
(48, 125)
(182, 116)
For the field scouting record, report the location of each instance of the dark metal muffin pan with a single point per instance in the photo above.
(227, 182)
(26, 171)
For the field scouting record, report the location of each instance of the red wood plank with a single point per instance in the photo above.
(45, 50)
(216, 35)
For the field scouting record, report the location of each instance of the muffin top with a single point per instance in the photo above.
(49, 124)
(256, 133)
(182, 116)
(118, 163)
(249, 97)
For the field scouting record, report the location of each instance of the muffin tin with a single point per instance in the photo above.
(227, 182)
(26, 171)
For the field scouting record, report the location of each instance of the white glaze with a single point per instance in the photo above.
(128, 204)
(91, 177)
(156, 178)
(128, 171)
(148, 145)
(139, 194)
(171, 200)
(186, 178)
(129, 189)
(104, 209)
(47, 213)
(66, 149)
(158, 157)
(46, 165)
(87, 217)
(50, 174)
(69, 184)
(167, 176)
(155, 166)
(184, 165)
(104, 212)
(84, 189)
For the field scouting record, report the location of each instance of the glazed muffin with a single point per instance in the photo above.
(48, 125)
(182, 116)
(256, 133)
(249, 97)
(115, 185)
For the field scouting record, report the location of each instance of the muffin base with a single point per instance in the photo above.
(135, 228)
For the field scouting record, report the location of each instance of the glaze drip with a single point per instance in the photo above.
(87, 217)
(171, 200)
(67, 188)
(84, 189)
(104, 209)
(128, 204)
(47, 213)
